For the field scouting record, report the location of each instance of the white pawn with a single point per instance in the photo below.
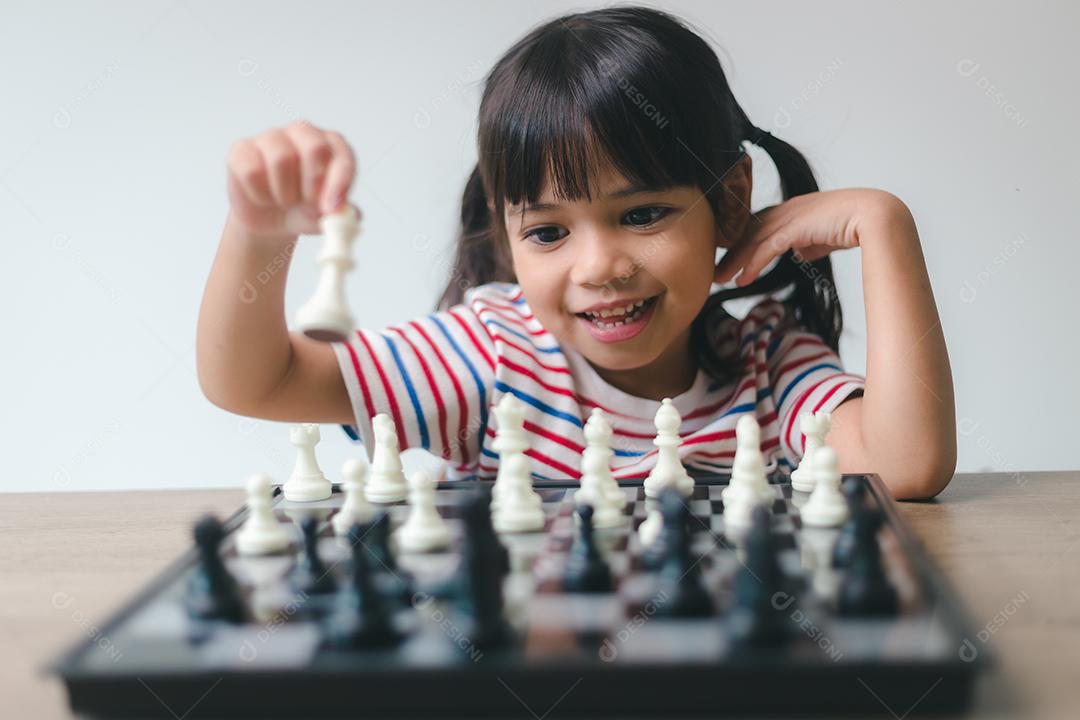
(669, 470)
(748, 476)
(386, 482)
(520, 509)
(424, 530)
(356, 508)
(827, 506)
(307, 482)
(815, 426)
(326, 315)
(650, 527)
(510, 438)
(598, 486)
(261, 533)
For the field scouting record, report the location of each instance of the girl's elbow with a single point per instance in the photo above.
(926, 480)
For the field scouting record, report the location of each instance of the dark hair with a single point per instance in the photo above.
(635, 87)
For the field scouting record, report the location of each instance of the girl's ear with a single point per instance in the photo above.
(735, 203)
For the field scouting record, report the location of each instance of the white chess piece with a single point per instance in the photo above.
(827, 506)
(386, 482)
(749, 487)
(510, 438)
(261, 533)
(307, 482)
(748, 476)
(520, 509)
(326, 315)
(650, 527)
(356, 508)
(424, 530)
(669, 470)
(815, 426)
(598, 486)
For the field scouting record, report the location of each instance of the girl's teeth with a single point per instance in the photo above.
(630, 310)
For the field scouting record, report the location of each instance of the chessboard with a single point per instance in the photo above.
(561, 654)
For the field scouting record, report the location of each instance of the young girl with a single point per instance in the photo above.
(611, 172)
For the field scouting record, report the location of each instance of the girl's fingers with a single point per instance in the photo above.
(764, 222)
(283, 167)
(339, 174)
(764, 252)
(247, 175)
(731, 262)
(315, 155)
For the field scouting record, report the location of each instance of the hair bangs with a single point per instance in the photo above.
(579, 108)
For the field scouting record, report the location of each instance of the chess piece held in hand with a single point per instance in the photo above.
(326, 317)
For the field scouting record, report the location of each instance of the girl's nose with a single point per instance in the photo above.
(600, 260)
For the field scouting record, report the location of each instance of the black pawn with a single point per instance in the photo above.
(855, 493)
(586, 569)
(681, 592)
(485, 565)
(865, 590)
(311, 576)
(212, 592)
(760, 614)
(361, 618)
(394, 581)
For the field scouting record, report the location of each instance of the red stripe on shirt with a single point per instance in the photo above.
(464, 408)
(399, 426)
(533, 356)
(472, 337)
(439, 405)
(802, 399)
(513, 366)
(363, 382)
(515, 320)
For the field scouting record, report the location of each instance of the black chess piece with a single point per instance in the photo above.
(485, 564)
(586, 569)
(311, 576)
(362, 617)
(652, 557)
(681, 592)
(212, 592)
(855, 493)
(760, 614)
(865, 590)
(393, 580)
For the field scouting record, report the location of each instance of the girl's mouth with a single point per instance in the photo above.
(619, 327)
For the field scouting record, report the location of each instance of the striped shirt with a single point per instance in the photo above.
(438, 377)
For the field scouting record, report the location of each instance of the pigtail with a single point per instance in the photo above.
(478, 258)
(813, 300)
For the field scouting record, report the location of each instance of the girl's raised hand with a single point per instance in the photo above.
(813, 225)
(282, 180)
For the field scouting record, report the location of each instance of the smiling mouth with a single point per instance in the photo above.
(619, 316)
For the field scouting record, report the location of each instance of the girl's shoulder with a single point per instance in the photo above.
(496, 292)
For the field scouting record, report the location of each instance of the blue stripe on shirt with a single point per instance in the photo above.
(800, 376)
(524, 337)
(425, 441)
(472, 370)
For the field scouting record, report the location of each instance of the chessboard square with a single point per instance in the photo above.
(579, 613)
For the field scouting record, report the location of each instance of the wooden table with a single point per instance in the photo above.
(1010, 544)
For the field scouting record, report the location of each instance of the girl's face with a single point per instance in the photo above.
(619, 279)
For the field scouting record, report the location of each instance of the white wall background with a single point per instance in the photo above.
(117, 117)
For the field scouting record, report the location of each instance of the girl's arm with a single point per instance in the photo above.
(904, 425)
(248, 361)
(279, 182)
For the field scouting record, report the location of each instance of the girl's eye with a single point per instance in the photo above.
(641, 217)
(541, 235)
(645, 216)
